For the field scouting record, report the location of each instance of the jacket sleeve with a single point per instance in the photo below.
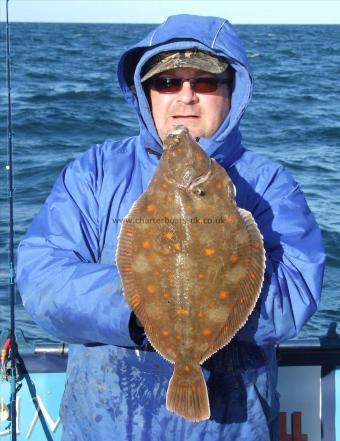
(294, 260)
(63, 287)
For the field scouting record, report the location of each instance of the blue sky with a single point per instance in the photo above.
(155, 11)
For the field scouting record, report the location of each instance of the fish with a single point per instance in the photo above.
(192, 266)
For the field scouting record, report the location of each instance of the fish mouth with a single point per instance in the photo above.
(177, 129)
(173, 133)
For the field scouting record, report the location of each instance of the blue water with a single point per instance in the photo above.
(65, 98)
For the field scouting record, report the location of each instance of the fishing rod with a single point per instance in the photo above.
(11, 282)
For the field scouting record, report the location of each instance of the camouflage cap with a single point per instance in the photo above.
(194, 58)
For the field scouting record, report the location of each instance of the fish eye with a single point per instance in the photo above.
(199, 191)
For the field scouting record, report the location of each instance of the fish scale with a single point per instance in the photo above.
(192, 265)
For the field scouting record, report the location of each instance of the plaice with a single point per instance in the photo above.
(192, 266)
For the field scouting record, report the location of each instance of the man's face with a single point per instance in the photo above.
(201, 113)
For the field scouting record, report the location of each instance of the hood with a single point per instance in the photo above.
(179, 32)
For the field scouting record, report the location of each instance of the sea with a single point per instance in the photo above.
(65, 97)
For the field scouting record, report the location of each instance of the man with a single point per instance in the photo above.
(188, 87)
(193, 71)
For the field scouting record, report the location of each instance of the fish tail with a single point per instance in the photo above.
(187, 393)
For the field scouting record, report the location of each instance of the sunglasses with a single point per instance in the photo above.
(198, 85)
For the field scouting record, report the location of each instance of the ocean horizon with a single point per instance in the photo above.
(65, 98)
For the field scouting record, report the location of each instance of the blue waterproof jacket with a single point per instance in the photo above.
(70, 285)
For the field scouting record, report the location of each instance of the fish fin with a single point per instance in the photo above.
(257, 256)
(124, 263)
(252, 284)
(133, 293)
(187, 394)
(250, 288)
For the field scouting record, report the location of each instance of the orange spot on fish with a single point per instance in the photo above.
(165, 332)
(209, 251)
(206, 332)
(177, 246)
(230, 219)
(127, 269)
(200, 276)
(178, 337)
(253, 275)
(168, 235)
(146, 244)
(186, 368)
(223, 294)
(164, 185)
(219, 185)
(199, 157)
(242, 300)
(151, 289)
(200, 314)
(136, 299)
(256, 246)
(129, 230)
(182, 312)
(150, 208)
(233, 258)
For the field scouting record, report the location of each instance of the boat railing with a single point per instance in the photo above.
(311, 352)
